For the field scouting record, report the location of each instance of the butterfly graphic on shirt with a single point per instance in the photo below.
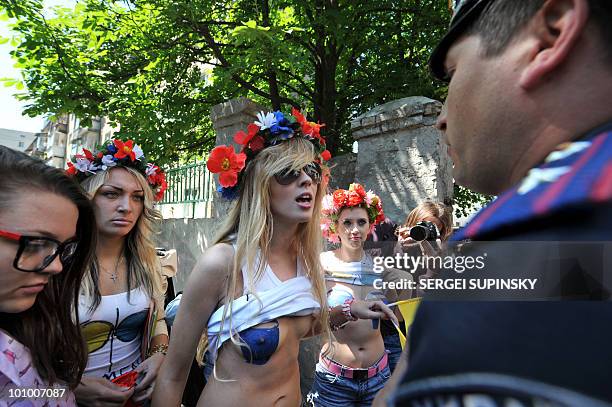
(99, 333)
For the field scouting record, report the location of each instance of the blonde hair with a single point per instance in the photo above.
(435, 210)
(250, 223)
(139, 249)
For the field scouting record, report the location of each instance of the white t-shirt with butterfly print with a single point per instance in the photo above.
(113, 332)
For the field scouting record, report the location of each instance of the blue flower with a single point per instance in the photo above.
(111, 147)
(281, 127)
(280, 117)
(230, 193)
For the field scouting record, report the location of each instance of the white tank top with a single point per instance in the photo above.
(113, 332)
(268, 279)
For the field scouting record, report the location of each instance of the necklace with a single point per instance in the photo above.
(113, 275)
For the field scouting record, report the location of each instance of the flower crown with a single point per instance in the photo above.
(116, 153)
(355, 196)
(269, 129)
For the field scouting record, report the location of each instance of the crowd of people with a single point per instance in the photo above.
(82, 316)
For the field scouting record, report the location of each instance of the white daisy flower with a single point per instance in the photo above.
(108, 162)
(82, 164)
(265, 120)
(151, 169)
(138, 151)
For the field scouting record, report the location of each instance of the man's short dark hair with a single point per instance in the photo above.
(501, 20)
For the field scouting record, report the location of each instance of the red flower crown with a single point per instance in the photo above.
(355, 196)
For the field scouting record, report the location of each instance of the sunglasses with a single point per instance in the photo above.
(288, 176)
(35, 253)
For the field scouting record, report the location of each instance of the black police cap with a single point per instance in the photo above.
(465, 12)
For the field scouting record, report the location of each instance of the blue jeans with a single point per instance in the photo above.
(331, 390)
(394, 349)
(208, 365)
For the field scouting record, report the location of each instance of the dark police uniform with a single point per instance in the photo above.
(556, 226)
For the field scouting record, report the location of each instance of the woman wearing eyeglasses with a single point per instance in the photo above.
(47, 233)
(258, 290)
(121, 303)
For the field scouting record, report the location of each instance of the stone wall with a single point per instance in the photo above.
(401, 157)
(190, 237)
(342, 170)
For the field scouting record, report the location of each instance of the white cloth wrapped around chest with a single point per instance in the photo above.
(292, 297)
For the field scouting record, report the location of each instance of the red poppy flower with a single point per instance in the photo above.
(88, 154)
(313, 130)
(298, 115)
(124, 149)
(326, 155)
(100, 154)
(224, 161)
(162, 186)
(71, 169)
(339, 198)
(256, 144)
(243, 138)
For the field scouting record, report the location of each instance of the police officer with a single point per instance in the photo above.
(528, 118)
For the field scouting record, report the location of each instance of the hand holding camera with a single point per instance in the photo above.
(425, 233)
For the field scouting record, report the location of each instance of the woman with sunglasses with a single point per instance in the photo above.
(121, 303)
(47, 233)
(354, 366)
(258, 290)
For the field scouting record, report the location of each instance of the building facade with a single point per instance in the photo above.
(65, 137)
(17, 139)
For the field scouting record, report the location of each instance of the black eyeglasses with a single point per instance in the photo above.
(35, 253)
(288, 176)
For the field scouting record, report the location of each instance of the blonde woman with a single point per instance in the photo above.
(121, 303)
(257, 291)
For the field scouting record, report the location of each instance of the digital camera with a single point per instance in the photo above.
(424, 230)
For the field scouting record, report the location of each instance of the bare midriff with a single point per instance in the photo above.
(357, 345)
(275, 383)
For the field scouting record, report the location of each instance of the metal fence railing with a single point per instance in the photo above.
(190, 183)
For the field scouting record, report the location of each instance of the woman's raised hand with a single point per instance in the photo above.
(372, 310)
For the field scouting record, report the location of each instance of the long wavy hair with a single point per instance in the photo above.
(249, 224)
(47, 329)
(139, 248)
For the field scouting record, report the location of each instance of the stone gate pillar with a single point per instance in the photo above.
(228, 118)
(401, 156)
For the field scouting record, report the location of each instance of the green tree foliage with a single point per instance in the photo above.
(157, 66)
(467, 201)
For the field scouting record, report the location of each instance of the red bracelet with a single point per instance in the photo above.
(346, 310)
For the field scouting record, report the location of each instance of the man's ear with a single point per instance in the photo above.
(556, 28)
